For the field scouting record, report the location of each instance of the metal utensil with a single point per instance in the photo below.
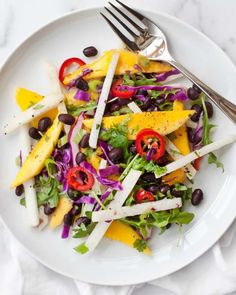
(150, 41)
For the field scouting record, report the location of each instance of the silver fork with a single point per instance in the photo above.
(151, 42)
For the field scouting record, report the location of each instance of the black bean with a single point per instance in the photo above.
(19, 190)
(197, 197)
(198, 109)
(164, 189)
(176, 193)
(48, 210)
(114, 107)
(148, 177)
(147, 104)
(115, 154)
(90, 51)
(72, 194)
(153, 189)
(142, 92)
(190, 134)
(68, 219)
(44, 124)
(66, 119)
(84, 141)
(34, 133)
(164, 160)
(80, 157)
(193, 94)
(209, 109)
(196, 88)
(76, 210)
(62, 133)
(81, 84)
(133, 149)
(122, 101)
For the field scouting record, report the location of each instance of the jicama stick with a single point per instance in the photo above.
(134, 107)
(49, 102)
(43, 219)
(126, 211)
(174, 152)
(30, 193)
(97, 121)
(183, 161)
(119, 199)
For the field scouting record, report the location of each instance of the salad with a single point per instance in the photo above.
(113, 150)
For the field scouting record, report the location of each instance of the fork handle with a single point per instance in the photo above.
(226, 106)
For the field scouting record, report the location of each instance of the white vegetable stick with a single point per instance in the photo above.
(98, 188)
(97, 121)
(191, 124)
(30, 193)
(198, 153)
(174, 152)
(103, 164)
(49, 102)
(134, 107)
(122, 212)
(119, 199)
(43, 218)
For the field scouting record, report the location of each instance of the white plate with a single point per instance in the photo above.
(113, 263)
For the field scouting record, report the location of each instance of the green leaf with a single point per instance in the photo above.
(82, 248)
(140, 245)
(182, 218)
(75, 110)
(212, 159)
(143, 165)
(127, 80)
(18, 161)
(83, 231)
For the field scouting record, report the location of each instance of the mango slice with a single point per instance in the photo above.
(177, 176)
(123, 233)
(26, 98)
(162, 122)
(180, 139)
(63, 207)
(41, 151)
(126, 62)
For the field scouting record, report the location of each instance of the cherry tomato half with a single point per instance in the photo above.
(116, 92)
(144, 196)
(79, 179)
(197, 162)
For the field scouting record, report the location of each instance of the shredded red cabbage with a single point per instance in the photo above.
(111, 170)
(107, 182)
(102, 199)
(81, 220)
(163, 76)
(20, 157)
(85, 200)
(105, 149)
(82, 95)
(62, 157)
(73, 132)
(65, 231)
(84, 73)
(138, 68)
(150, 154)
(148, 87)
(180, 95)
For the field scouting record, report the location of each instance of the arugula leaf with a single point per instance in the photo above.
(117, 136)
(82, 248)
(48, 187)
(83, 231)
(75, 110)
(141, 164)
(140, 245)
(212, 159)
(127, 80)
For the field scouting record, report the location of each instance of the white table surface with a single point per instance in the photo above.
(215, 18)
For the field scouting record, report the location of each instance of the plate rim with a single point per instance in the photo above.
(145, 11)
